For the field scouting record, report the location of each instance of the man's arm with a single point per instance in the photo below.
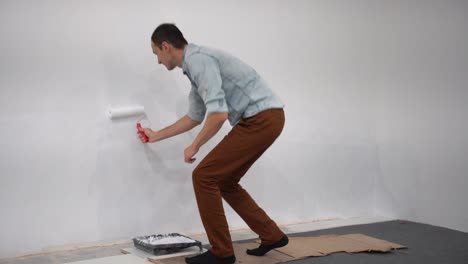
(213, 124)
(206, 75)
(180, 126)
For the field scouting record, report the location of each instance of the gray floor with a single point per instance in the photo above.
(426, 244)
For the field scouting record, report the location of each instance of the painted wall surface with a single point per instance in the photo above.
(70, 175)
(421, 112)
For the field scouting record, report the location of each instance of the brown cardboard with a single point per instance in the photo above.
(301, 247)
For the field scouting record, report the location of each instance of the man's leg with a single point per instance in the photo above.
(270, 234)
(240, 200)
(219, 173)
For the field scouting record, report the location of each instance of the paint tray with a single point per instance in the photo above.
(163, 244)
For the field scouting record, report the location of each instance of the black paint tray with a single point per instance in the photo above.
(163, 249)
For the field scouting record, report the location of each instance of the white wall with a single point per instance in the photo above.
(70, 175)
(421, 111)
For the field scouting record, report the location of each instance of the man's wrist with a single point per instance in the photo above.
(195, 145)
(155, 137)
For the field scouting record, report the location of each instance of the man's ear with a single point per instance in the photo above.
(165, 46)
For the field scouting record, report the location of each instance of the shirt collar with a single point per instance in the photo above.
(188, 50)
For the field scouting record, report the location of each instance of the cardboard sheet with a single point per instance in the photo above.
(298, 248)
(302, 247)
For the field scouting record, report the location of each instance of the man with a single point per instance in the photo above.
(223, 87)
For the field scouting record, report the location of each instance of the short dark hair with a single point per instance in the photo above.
(170, 33)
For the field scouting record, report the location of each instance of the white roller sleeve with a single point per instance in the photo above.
(123, 112)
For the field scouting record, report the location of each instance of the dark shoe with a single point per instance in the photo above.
(209, 258)
(262, 250)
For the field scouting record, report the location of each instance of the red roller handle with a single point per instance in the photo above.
(141, 132)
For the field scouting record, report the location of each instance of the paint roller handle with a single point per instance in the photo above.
(142, 133)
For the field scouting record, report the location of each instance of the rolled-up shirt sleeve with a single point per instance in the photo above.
(197, 107)
(207, 79)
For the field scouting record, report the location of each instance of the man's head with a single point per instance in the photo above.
(168, 44)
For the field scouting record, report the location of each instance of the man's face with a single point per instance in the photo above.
(164, 55)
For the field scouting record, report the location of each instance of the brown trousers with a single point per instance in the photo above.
(219, 173)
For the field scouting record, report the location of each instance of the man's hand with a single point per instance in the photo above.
(150, 134)
(212, 125)
(189, 152)
(182, 125)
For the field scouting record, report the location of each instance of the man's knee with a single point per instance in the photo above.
(196, 175)
(229, 187)
(201, 177)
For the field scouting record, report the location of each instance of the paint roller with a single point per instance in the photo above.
(129, 111)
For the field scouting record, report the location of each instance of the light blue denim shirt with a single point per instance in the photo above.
(223, 83)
